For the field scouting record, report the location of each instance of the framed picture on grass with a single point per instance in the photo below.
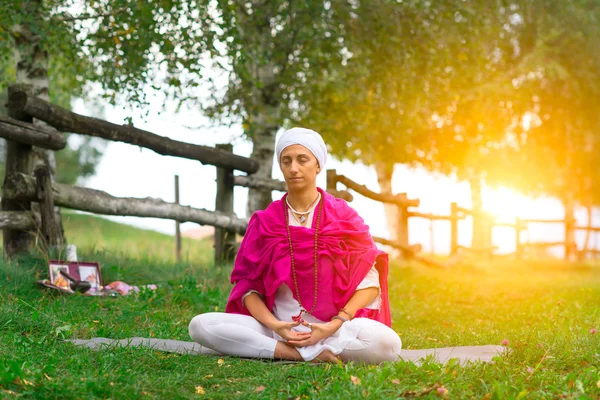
(77, 270)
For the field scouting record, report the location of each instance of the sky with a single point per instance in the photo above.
(130, 171)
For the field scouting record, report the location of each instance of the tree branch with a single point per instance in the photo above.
(88, 16)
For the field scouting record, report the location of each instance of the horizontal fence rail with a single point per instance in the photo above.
(68, 121)
(23, 187)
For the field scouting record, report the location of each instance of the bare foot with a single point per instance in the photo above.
(328, 357)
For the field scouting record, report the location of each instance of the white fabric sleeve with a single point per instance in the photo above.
(372, 280)
(248, 293)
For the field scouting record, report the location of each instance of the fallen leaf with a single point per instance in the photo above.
(355, 380)
(410, 393)
(396, 381)
(47, 377)
(413, 393)
(259, 389)
(598, 384)
(200, 390)
(432, 339)
(27, 383)
(487, 396)
(220, 361)
(208, 376)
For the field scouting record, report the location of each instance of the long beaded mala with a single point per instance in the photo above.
(287, 224)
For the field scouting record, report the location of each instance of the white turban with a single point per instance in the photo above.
(304, 137)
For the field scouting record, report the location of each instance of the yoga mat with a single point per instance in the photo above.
(464, 354)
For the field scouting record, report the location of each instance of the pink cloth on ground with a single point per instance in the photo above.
(346, 253)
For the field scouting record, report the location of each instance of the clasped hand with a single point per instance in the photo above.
(300, 339)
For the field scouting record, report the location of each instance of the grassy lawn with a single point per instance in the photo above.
(547, 312)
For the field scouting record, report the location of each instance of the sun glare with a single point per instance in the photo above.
(505, 204)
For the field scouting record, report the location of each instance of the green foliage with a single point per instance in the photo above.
(447, 86)
(275, 53)
(124, 46)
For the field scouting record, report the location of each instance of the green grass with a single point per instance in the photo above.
(545, 311)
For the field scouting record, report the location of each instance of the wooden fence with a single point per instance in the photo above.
(20, 223)
(25, 185)
(457, 213)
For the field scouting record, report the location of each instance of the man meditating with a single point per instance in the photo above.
(310, 284)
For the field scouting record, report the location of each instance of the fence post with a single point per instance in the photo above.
(19, 158)
(224, 239)
(518, 247)
(570, 245)
(177, 224)
(331, 185)
(453, 228)
(596, 249)
(431, 239)
(51, 232)
(403, 223)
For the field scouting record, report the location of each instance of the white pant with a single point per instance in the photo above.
(243, 336)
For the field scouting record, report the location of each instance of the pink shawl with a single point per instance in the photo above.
(346, 253)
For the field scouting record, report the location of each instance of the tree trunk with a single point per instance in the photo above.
(392, 217)
(32, 69)
(570, 244)
(588, 233)
(569, 196)
(263, 103)
(264, 124)
(19, 159)
(481, 233)
(262, 152)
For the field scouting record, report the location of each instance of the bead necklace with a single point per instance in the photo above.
(302, 214)
(287, 223)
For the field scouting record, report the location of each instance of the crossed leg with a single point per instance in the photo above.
(243, 336)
